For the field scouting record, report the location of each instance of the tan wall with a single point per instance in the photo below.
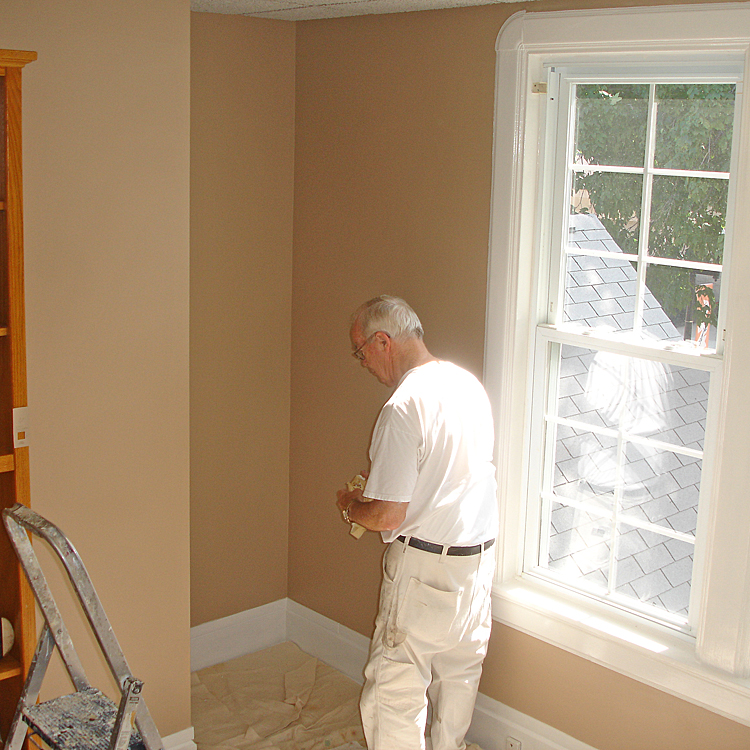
(106, 147)
(242, 176)
(394, 139)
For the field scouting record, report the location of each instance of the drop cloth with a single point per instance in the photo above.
(276, 699)
(279, 698)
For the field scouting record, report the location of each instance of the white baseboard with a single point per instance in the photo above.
(221, 640)
(334, 644)
(180, 740)
(494, 722)
(346, 650)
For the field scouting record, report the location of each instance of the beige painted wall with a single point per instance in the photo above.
(394, 139)
(106, 147)
(242, 177)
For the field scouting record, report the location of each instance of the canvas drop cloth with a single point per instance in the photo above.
(276, 699)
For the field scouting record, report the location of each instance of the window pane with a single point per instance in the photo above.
(571, 387)
(638, 396)
(660, 486)
(694, 126)
(600, 292)
(688, 215)
(615, 200)
(604, 111)
(579, 546)
(684, 305)
(585, 467)
(623, 392)
(653, 569)
(682, 420)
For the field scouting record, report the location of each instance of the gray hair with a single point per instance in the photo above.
(389, 314)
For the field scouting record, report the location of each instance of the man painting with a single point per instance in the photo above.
(431, 492)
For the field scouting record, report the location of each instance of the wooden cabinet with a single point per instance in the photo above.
(16, 600)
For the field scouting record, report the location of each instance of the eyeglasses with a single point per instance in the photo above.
(359, 354)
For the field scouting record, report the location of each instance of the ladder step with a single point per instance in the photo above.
(84, 719)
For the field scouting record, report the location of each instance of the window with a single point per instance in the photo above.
(639, 165)
(615, 334)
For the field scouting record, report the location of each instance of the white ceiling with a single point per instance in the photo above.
(304, 10)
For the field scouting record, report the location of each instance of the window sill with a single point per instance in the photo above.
(648, 652)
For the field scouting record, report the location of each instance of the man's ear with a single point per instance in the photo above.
(384, 340)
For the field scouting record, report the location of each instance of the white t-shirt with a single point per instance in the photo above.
(433, 447)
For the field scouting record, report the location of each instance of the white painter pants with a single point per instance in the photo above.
(430, 637)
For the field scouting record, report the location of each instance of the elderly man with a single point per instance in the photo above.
(431, 493)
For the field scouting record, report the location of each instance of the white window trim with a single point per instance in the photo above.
(712, 669)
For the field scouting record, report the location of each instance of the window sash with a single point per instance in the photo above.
(543, 460)
(558, 170)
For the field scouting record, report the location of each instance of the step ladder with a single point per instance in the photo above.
(86, 719)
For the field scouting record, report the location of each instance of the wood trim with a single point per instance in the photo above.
(12, 58)
(17, 317)
(25, 616)
(9, 668)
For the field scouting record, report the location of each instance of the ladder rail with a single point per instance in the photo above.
(79, 578)
(19, 518)
(32, 686)
(131, 699)
(46, 601)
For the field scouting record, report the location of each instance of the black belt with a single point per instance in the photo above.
(474, 549)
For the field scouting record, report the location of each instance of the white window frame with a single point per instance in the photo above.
(712, 667)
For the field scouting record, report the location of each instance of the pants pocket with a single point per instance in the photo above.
(428, 613)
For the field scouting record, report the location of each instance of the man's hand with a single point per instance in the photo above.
(346, 497)
(358, 482)
(375, 515)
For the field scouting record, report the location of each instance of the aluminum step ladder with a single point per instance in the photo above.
(86, 719)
